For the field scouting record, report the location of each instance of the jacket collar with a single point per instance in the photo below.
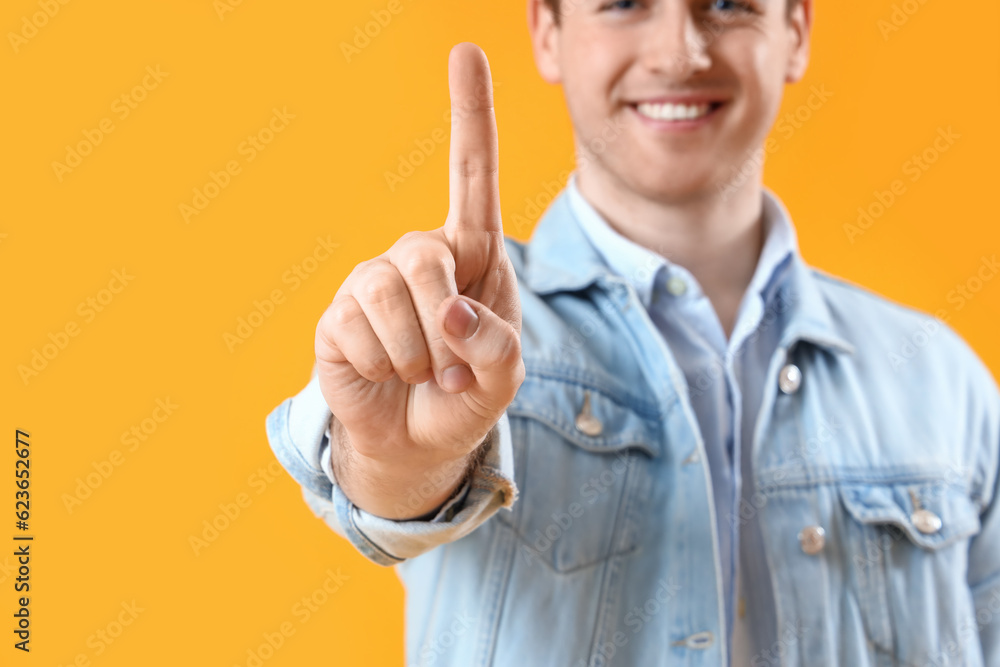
(560, 258)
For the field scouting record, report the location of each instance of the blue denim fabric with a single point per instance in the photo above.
(589, 536)
(725, 380)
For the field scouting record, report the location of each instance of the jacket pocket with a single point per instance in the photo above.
(581, 466)
(908, 548)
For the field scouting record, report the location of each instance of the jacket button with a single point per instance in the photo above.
(699, 640)
(927, 522)
(812, 539)
(790, 379)
(587, 423)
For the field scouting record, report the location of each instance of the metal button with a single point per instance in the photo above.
(587, 423)
(927, 522)
(676, 286)
(790, 379)
(699, 640)
(812, 539)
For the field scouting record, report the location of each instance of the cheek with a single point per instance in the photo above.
(592, 64)
(587, 92)
(760, 72)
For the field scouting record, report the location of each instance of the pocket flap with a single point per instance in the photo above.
(932, 514)
(611, 421)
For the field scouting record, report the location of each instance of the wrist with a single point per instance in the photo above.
(398, 490)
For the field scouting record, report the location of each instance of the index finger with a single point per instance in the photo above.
(474, 202)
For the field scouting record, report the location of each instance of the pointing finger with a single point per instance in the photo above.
(474, 161)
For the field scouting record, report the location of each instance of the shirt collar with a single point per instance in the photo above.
(573, 247)
(644, 268)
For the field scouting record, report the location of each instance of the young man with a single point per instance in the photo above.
(714, 459)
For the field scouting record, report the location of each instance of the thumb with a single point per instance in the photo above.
(489, 345)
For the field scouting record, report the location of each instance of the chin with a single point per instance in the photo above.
(674, 183)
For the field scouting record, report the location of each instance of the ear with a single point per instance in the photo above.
(799, 27)
(544, 40)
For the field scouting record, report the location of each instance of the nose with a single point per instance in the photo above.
(673, 44)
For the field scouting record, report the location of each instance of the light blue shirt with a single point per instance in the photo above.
(598, 530)
(725, 378)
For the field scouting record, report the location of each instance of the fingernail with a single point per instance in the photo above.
(456, 378)
(461, 320)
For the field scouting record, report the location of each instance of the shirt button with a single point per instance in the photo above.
(812, 539)
(927, 522)
(676, 286)
(790, 379)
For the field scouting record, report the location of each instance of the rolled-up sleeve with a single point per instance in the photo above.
(297, 430)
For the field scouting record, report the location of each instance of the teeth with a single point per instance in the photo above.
(673, 111)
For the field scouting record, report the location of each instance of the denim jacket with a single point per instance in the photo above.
(587, 537)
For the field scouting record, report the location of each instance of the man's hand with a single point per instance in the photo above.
(419, 353)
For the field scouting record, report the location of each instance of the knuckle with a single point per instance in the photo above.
(519, 373)
(508, 350)
(382, 287)
(408, 353)
(376, 368)
(411, 362)
(409, 238)
(427, 265)
(516, 378)
(400, 342)
(472, 168)
(341, 313)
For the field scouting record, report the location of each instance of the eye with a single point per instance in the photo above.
(620, 5)
(731, 6)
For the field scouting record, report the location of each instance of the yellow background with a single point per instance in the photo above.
(323, 175)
